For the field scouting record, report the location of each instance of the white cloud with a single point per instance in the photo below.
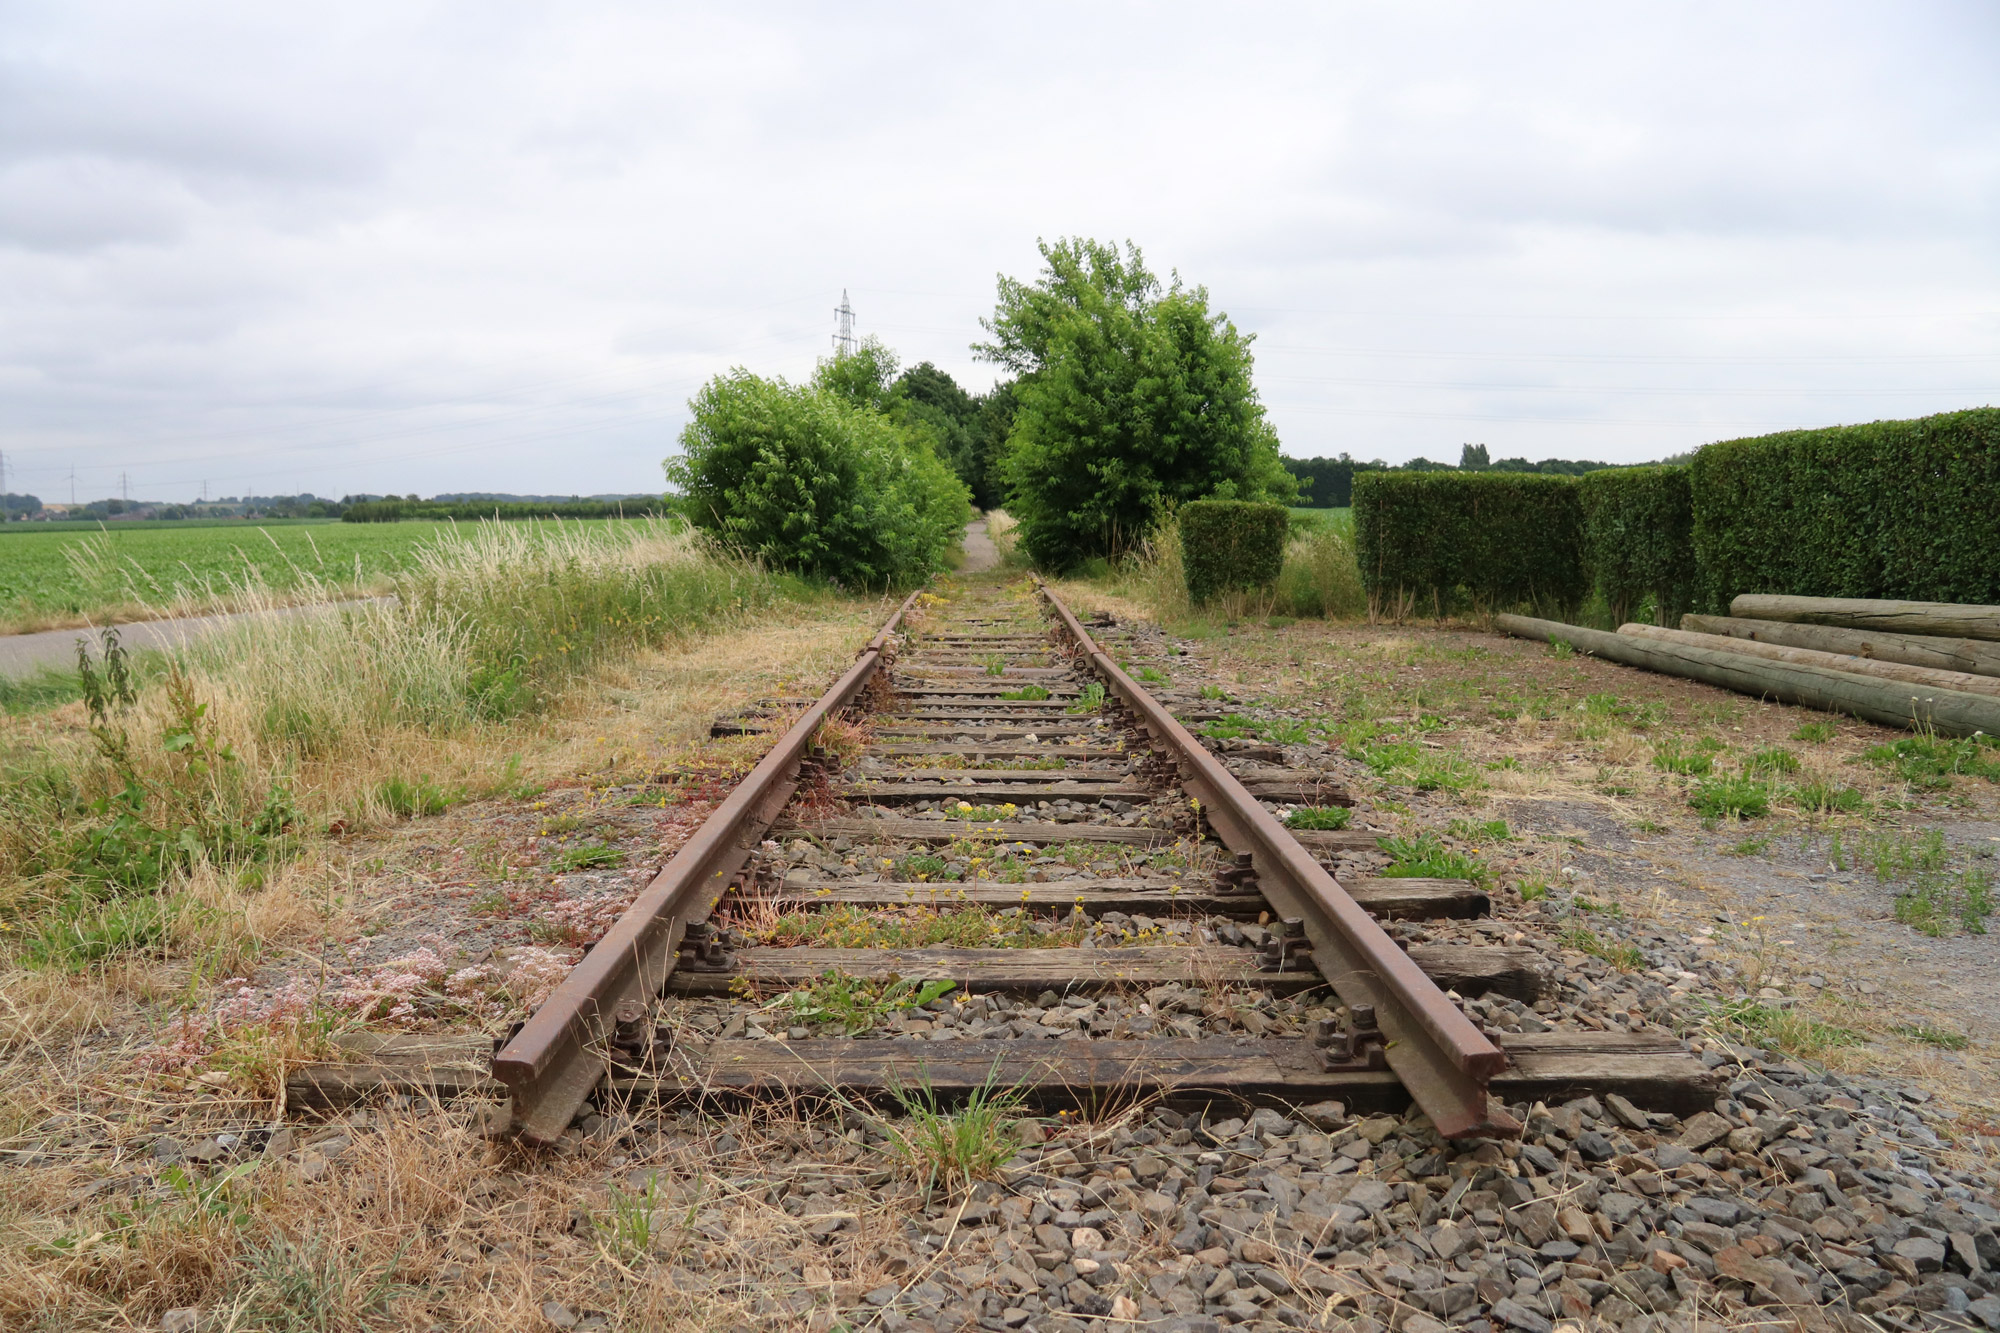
(496, 246)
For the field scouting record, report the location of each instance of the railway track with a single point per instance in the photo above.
(988, 857)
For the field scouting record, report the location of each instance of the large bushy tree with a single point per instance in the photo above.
(1131, 399)
(816, 479)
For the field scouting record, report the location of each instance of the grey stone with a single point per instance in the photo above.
(1624, 1112)
(1595, 1147)
(1721, 1212)
(883, 1294)
(1324, 1115)
(1926, 1254)
(1702, 1129)
(1986, 1310)
(1671, 1156)
(1370, 1196)
(1517, 1315)
(558, 1314)
(1619, 1209)
(184, 1320)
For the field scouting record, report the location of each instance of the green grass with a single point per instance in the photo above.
(1426, 857)
(1478, 830)
(1675, 757)
(1319, 817)
(1820, 797)
(1624, 957)
(1929, 1035)
(1731, 798)
(1936, 893)
(1411, 765)
(1026, 692)
(312, 1286)
(421, 796)
(1776, 761)
(1090, 700)
(589, 856)
(1816, 732)
(1930, 762)
(949, 1148)
(1781, 1029)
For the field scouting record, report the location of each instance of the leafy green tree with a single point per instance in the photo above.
(814, 480)
(1131, 400)
(865, 376)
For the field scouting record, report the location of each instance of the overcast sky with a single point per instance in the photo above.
(496, 246)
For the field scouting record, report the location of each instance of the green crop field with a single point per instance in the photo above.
(51, 574)
(1310, 520)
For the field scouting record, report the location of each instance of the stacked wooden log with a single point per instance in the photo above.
(1929, 664)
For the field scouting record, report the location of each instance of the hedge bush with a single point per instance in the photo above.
(1228, 544)
(1441, 540)
(808, 481)
(1636, 539)
(1899, 509)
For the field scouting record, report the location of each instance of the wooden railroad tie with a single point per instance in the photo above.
(1389, 899)
(1656, 1073)
(1471, 970)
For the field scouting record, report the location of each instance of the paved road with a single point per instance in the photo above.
(980, 552)
(22, 654)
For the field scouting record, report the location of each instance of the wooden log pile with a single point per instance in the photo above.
(1902, 664)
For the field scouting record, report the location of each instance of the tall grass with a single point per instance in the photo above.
(290, 720)
(1319, 579)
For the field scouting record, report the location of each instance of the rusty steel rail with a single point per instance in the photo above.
(1443, 1060)
(557, 1057)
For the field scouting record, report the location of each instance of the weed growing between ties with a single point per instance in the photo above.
(1426, 857)
(855, 1004)
(949, 1148)
(1089, 701)
(1319, 817)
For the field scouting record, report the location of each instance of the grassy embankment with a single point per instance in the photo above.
(173, 818)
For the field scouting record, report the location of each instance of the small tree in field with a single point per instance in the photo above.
(1131, 400)
(813, 481)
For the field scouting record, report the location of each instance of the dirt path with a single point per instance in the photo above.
(23, 654)
(980, 552)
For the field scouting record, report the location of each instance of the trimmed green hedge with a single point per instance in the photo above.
(1900, 509)
(1636, 539)
(1436, 541)
(1227, 544)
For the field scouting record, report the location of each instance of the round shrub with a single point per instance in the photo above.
(810, 481)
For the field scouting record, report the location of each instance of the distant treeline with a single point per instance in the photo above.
(1328, 483)
(393, 510)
